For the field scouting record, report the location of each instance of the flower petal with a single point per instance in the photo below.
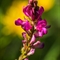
(41, 45)
(27, 10)
(31, 52)
(32, 39)
(41, 24)
(41, 10)
(24, 34)
(36, 44)
(18, 22)
(40, 33)
(44, 31)
(26, 25)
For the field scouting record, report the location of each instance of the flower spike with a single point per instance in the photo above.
(36, 28)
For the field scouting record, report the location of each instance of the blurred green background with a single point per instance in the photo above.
(10, 35)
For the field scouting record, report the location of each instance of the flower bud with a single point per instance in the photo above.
(32, 39)
(31, 52)
(18, 22)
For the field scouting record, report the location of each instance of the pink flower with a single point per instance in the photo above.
(27, 10)
(38, 44)
(32, 10)
(41, 27)
(24, 34)
(24, 24)
(37, 28)
(33, 39)
(35, 44)
(41, 10)
(31, 52)
(18, 22)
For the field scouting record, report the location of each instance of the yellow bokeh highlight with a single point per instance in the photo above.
(13, 13)
(47, 4)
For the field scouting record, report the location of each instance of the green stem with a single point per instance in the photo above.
(26, 47)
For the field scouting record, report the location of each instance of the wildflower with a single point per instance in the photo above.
(38, 44)
(37, 29)
(18, 22)
(33, 11)
(24, 24)
(31, 52)
(35, 44)
(41, 27)
(32, 39)
(24, 34)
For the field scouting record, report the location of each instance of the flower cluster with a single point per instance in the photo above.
(36, 28)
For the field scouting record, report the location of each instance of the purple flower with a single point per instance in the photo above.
(27, 10)
(31, 52)
(36, 29)
(33, 39)
(32, 10)
(18, 22)
(24, 24)
(41, 24)
(38, 44)
(41, 10)
(24, 34)
(35, 44)
(41, 27)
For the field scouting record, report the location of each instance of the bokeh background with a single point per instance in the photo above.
(10, 34)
